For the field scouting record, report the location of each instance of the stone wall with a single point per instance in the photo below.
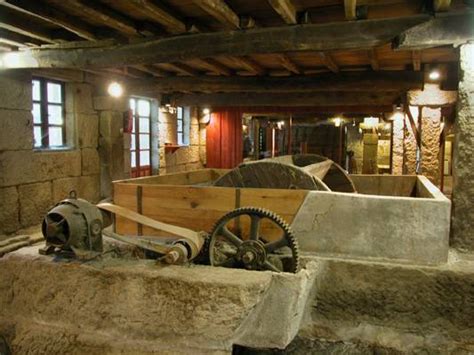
(31, 181)
(188, 157)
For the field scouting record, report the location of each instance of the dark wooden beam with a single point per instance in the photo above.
(350, 9)
(185, 69)
(220, 11)
(18, 25)
(318, 37)
(286, 99)
(17, 39)
(329, 62)
(216, 66)
(416, 60)
(285, 9)
(396, 81)
(163, 16)
(288, 64)
(153, 70)
(314, 110)
(373, 58)
(250, 65)
(444, 29)
(52, 15)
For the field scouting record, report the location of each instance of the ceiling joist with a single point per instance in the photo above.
(286, 10)
(329, 62)
(288, 64)
(311, 37)
(163, 16)
(350, 9)
(220, 11)
(373, 58)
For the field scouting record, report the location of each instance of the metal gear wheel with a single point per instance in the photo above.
(253, 248)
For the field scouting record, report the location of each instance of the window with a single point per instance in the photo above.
(49, 129)
(140, 148)
(180, 125)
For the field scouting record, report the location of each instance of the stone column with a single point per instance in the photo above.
(397, 144)
(462, 231)
(370, 153)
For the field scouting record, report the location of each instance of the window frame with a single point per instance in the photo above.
(140, 170)
(44, 115)
(178, 131)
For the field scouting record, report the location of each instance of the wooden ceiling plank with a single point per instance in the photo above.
(220, 11)
(288, 64)
(444, 29)
(163, 16)
(286, 10)
(185, 69)
(216, 66)
(16, 25)
(373, 58)
(350, 9)
(52, 15)
(317, 37)
(250, 65)
(153, 70)
(383, 81)
(416, 60)
(329, 62)
(286, 99)
(17, 39)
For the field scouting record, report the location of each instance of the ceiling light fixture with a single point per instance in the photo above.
(115, 89)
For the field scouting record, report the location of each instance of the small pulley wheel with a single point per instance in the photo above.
(253, 239)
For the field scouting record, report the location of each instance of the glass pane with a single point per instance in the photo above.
(36, 90)
(180, 138)
(36, 113)
(144, 125)
(133, 160)
(179, 112)
(143, 108)
(180, 125)
(145, 158)
(132, 142)
(144, 141)
(132, 105)
(55, 114)
(37, 136)
(54, 93)
(55, 136)
(133, 125)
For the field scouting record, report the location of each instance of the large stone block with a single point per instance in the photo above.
(430, 134)
(9, 221)
(398, 135)
(35, 201)
(90, 161)
(187, 155)
(88, 130)
(26, 166)
(16, 130)
(431, 95)
(79, 98)
(194, 135)
(89, 188)
(111, 124)
(109, 103)
(15, 91)
(63, 187)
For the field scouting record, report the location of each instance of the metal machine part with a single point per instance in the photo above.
(73, 225)
(253, 239)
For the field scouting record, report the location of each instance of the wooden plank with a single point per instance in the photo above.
(416, 60)
(373, 58)
(183, 68)
(350, 7)
(442, 30)
(15, 24)
(220, 11)
(285, 9)
(311, 37)
(216, 66)
(347, 81)
(287, 63)
(329, 62)
(161, 15)
(286, 99)
(249, 65)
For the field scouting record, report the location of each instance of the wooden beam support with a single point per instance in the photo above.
(286, 99)
(318, 37)
(288, 64)
(153, 70)
(441, 5)
(163, 16)
(185, 69)
(285, 9)
(52, 15)
(216, 66)
(416, 59)
(329, 62)
(220, 11)
(443, 30)
(350, 9)
(396, 81)
(250, 65)
(15, 24)
(373, 58)
(17, 39)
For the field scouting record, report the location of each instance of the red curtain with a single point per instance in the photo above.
(224, 139)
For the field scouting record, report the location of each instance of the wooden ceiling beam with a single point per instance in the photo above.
(384, 81)
(153, 70)
(350, 9)
(286, 99)
(17, 39)
(250, 65)
(329, 62)
(52, 15)
(373, 58)
(444, 29)
(286, 10)
(17, 25)
(288, 64)
(216, 66)
(185, 69)
(317, 37)
(220, 11)
(416, 60)
(163, 16)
